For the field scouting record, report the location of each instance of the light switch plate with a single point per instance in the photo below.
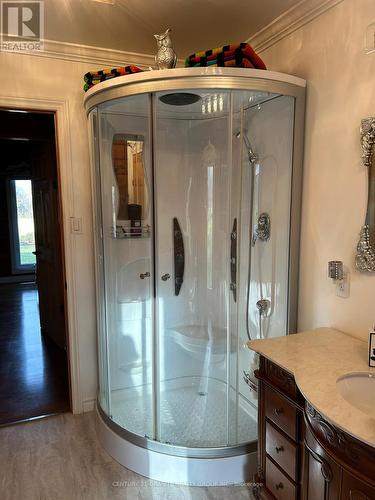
(370, 39)
(76, 225)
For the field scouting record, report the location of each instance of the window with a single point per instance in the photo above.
(22, 226)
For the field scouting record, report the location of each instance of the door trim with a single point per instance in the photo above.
(65, 176)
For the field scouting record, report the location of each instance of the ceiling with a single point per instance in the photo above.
(129, 25)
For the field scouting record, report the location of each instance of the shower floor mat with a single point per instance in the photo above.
(193, 413)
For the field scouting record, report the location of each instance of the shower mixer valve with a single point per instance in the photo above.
(263, 306)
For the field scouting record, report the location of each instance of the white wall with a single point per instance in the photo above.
(329, 53)
(34, 77)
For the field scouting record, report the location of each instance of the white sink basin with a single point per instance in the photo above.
(358, 389)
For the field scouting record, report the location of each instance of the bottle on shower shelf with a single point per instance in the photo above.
(135, 216)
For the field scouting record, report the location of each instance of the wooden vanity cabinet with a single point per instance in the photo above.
(321, 475)
(300, 454)
(280, 434)
(336, 465)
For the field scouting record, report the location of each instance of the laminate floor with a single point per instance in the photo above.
(33, 371)
(60, 458)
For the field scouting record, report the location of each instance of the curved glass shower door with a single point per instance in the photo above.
(193, 219)
(125, 266)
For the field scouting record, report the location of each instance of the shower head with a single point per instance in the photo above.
(253, 157)
(179, 98)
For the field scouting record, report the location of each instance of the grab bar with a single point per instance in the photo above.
(179, 256)
(233, 260)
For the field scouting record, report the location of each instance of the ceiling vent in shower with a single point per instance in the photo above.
(179, 98)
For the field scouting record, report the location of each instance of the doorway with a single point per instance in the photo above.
(33, 328)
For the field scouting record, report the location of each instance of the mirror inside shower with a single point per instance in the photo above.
(131, 185)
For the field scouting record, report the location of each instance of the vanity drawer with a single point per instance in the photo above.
(278, 484)
(282, 450)
(281, 412)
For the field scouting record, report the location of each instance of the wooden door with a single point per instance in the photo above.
(120, 166)
(48, 243)
(138, 179)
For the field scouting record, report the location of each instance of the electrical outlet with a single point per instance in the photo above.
(343, 286)
(370, 39)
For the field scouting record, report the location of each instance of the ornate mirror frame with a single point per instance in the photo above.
(365, 258)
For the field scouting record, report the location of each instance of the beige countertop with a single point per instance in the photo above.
(316, 359)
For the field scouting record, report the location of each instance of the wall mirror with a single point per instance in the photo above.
(365, 259)
(128, 166)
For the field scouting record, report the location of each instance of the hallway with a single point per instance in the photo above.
(33, 371)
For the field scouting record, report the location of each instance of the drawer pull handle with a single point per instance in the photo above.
(279, 449)
(279, 411)
(279, 486)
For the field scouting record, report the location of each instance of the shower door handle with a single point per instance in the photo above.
(179, 256)
(233, 260)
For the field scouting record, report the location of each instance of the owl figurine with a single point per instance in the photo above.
(165, 57)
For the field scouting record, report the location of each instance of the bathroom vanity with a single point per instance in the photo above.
(313, 444)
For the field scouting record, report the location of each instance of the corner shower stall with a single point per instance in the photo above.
(196, 182)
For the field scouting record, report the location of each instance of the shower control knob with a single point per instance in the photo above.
(165, 277)
(263, 306)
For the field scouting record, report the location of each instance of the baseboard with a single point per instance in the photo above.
(17, 279)
(88, 405)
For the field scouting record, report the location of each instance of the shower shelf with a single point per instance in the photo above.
(122, 233)
(131, 237)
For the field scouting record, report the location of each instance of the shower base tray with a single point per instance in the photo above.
(193, 413)
(192, 449)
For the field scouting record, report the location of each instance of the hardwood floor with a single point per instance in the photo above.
(60, 458)
(33, 371)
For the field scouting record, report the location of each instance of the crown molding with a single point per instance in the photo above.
(90, 54)
(291, 20)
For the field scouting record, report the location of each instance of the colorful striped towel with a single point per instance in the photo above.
(93, 78)
(240, 55)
